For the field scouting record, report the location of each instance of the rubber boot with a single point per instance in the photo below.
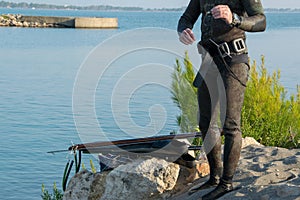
(215, 166)
(232, 150)
(219, 191)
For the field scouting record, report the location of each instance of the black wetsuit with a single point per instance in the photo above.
(233, 70)
(251, 12)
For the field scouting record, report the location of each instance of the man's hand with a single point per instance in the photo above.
(187, 36)
(222, 12)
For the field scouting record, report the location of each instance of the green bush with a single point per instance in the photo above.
(5, 17)
(268, 115)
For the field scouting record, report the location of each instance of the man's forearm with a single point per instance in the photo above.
(254, 23)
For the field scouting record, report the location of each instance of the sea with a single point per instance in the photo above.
(60, 87)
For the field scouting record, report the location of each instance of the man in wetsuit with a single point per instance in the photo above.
(223, 27)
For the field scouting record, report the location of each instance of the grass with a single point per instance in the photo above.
(56, 195)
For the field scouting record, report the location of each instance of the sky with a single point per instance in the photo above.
(154, 3)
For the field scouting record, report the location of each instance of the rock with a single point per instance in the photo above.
(31, 24)
(13, 23)
(18, 16)
(201, 170)
(286, 191)
(85, 186)
(25, 24)
(97, 188)
(141, 179)
(19, 24)
(16, 20)
(250, 141)
(264, 173)
(79, 185)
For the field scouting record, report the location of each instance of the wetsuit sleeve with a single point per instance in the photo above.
(256, 19)
(190, 16)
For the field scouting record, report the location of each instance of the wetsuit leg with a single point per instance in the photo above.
(232, 126)
(232, 131)
(208, 98)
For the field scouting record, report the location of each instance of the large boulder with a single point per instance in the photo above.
(146, 179)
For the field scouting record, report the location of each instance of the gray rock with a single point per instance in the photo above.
(288, 191)
(264, 173)
(79, 186)
(97, 188)
(85, 186)
(141, 179)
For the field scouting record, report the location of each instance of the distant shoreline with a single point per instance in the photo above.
(4, 4)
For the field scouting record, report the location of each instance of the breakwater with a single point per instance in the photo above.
(17, 20)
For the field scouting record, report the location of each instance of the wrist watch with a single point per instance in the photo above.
(236, 20)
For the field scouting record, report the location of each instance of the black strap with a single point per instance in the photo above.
(221, 57)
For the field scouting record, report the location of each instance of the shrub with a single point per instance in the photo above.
(184, 95)
(268, 114)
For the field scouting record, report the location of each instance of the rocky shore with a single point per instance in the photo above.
(17, 20)
(264, 173)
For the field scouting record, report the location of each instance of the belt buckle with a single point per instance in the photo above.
(239, 45)
(224, 49)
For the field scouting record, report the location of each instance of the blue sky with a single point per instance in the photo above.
(155, 3)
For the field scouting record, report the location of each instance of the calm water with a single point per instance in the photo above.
(38, 71)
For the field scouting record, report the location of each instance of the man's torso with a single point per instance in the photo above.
(218, 29)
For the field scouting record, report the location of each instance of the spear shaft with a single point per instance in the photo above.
(91, 145)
